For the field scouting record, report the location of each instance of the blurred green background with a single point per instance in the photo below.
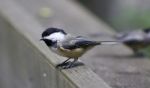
(122, 15)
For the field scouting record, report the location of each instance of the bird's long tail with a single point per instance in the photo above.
(108, 42)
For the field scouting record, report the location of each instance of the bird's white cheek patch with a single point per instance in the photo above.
(56, 36)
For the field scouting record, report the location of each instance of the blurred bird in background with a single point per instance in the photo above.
(136, 40)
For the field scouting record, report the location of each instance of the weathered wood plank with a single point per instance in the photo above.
(103, 60)
(30, 63)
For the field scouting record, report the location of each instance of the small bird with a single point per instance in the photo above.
(68, 45)
(136, 40)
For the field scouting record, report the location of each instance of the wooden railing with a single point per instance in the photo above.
(26, 62)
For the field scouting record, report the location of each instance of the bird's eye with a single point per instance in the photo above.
(48, 42)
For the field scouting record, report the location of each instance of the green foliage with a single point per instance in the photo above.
(131, 17)
(146, 51)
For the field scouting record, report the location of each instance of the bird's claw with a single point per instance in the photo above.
(61, 64)
(65, 65)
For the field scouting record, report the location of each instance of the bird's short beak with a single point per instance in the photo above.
(41, 39)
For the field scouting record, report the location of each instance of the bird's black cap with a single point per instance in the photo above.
(147, 30)
(49, 31)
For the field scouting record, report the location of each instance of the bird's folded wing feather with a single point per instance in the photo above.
(81, 42)
(78, 42)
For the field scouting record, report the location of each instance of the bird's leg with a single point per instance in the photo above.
(63, 63)
(71, 64)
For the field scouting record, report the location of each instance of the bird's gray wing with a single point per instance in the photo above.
(78, 42)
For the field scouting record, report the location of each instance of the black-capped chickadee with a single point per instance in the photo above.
(67, 45)
(135, 40)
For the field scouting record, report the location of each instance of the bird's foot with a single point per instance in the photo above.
(66, 65)
(62, 64)
(69, 64)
